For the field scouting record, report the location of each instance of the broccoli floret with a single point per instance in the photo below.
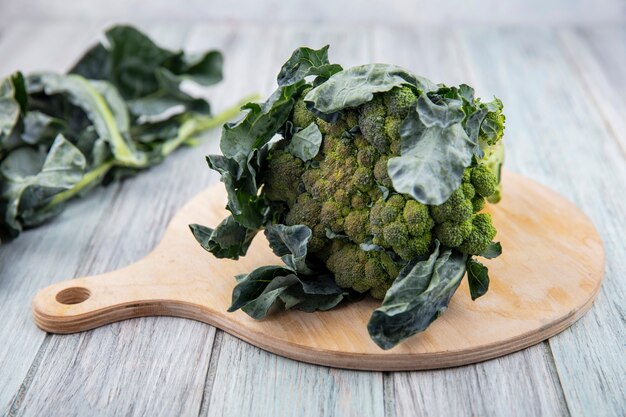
(456, 209)
(483, 180)
(380, 172)
(357, 226)
(283, 177)
(417, 218)
(478, 203)
(305, 211)
(367, 156)
(452, 234)
(332, 215)
(399, 101)
(480, 236)
(301, 116)
(372, 124)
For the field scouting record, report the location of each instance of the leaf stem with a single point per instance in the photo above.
(188, 130)
(87, 179)
(198, 124)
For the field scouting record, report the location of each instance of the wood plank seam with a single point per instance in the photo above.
(558, 385)
(389, 394)
(209, 380)
(32, 371)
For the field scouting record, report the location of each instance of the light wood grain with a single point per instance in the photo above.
(548, 278)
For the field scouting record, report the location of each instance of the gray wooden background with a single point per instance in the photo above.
(559, 67)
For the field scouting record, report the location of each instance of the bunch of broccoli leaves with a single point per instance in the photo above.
(368, 180)
(119, 110)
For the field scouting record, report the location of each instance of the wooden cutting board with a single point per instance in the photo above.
(546, 279)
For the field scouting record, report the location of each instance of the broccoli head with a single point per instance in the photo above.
(347, 192)
(368, 180)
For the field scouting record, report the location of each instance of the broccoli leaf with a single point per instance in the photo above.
(13, 101)
(29, 180)
(245, 207)
(122, 108)
(245, 144)
(432, 159)
(258, 126)
(477, 278)
(102, 104)
(493, 250)
(296, 284)
(418, 295)
(290, 243)
(357, 85)
(260, 306)
(306, 143)
(444, 113)
(263, 120)
(228, 240)
(252, 285)
(305, 62)
(298, 298)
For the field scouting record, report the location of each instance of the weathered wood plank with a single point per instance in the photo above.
(53, 251)
(105, 372)
(514, 385)
(251, 382)
(598, 56)
(518, 384)
(245, 380)
(558, 136)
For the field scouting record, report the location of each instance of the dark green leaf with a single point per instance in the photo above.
(419, 294)
(258, 126)
(306, 143)
(204, 69)
(149, 76)
(295, 297)
(478, 278)
(13, 100)
(260, 306)
(228, 240)
(444, 113)
(290, 243)
(30, 179)
(101, 103)
(432, 160)
(305, 62)
(252, 285)
(95, 64)
(243, 203)
(39, 128)
(493, 250)
(357, 85)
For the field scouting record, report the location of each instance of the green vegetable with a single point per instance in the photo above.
(120, 110)
(374, 183)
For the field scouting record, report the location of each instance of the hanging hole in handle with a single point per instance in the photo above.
(73, 295)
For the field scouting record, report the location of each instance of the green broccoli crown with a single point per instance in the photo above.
(346, 193)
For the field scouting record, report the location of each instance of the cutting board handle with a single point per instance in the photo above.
(85, 303)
